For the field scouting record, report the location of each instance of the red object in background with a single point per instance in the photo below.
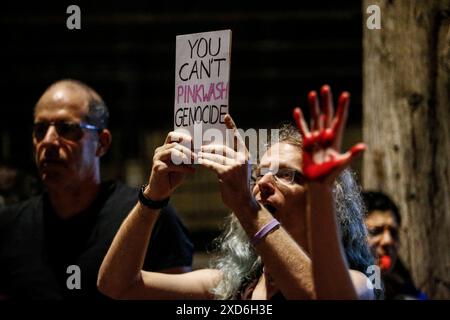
(385, 263)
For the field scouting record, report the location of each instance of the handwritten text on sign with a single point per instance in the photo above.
(202, 72)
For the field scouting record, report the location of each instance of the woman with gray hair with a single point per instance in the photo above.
(242, 266)
(297, 233)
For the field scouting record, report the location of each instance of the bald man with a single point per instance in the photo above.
(53, 244)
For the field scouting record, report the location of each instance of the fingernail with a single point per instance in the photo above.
(345, 94)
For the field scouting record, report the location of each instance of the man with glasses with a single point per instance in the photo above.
(53, 244)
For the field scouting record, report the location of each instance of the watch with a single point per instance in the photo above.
(149, 203)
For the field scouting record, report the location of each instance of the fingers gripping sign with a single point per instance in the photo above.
(322, 159)
(232, 167)
(181, 151)
(171, 162)
(238, 143)
(223, 155)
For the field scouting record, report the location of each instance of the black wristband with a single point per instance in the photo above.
(149, 203)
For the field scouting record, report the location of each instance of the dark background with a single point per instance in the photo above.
(126, 51)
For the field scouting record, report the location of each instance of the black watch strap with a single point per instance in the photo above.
(149, 203)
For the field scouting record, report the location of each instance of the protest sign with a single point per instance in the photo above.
(202, 87)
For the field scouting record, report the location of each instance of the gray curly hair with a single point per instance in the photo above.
(241, 265)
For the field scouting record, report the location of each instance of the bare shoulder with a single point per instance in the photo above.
(361, 284)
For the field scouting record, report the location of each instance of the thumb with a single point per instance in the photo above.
(353, 153)
(229, 122)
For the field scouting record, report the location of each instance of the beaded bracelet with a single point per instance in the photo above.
(265, 230)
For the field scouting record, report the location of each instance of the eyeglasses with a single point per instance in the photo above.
(283, 175)
(67, 130)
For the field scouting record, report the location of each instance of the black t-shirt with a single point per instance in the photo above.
(37, 247)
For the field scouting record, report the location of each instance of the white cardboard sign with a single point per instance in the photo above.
(202, 86)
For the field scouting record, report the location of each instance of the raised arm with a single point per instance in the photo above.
(285, 260)
(121, 274)
(322, 163)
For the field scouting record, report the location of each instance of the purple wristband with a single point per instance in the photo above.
(264, 231)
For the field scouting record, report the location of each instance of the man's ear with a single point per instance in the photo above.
(104, 141)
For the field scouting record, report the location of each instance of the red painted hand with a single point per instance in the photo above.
(322, 159)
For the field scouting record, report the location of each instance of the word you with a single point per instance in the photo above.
(201, 67)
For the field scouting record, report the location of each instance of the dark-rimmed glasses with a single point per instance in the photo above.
(65, 129)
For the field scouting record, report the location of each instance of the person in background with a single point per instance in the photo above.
(52, 245)
(383, 222)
